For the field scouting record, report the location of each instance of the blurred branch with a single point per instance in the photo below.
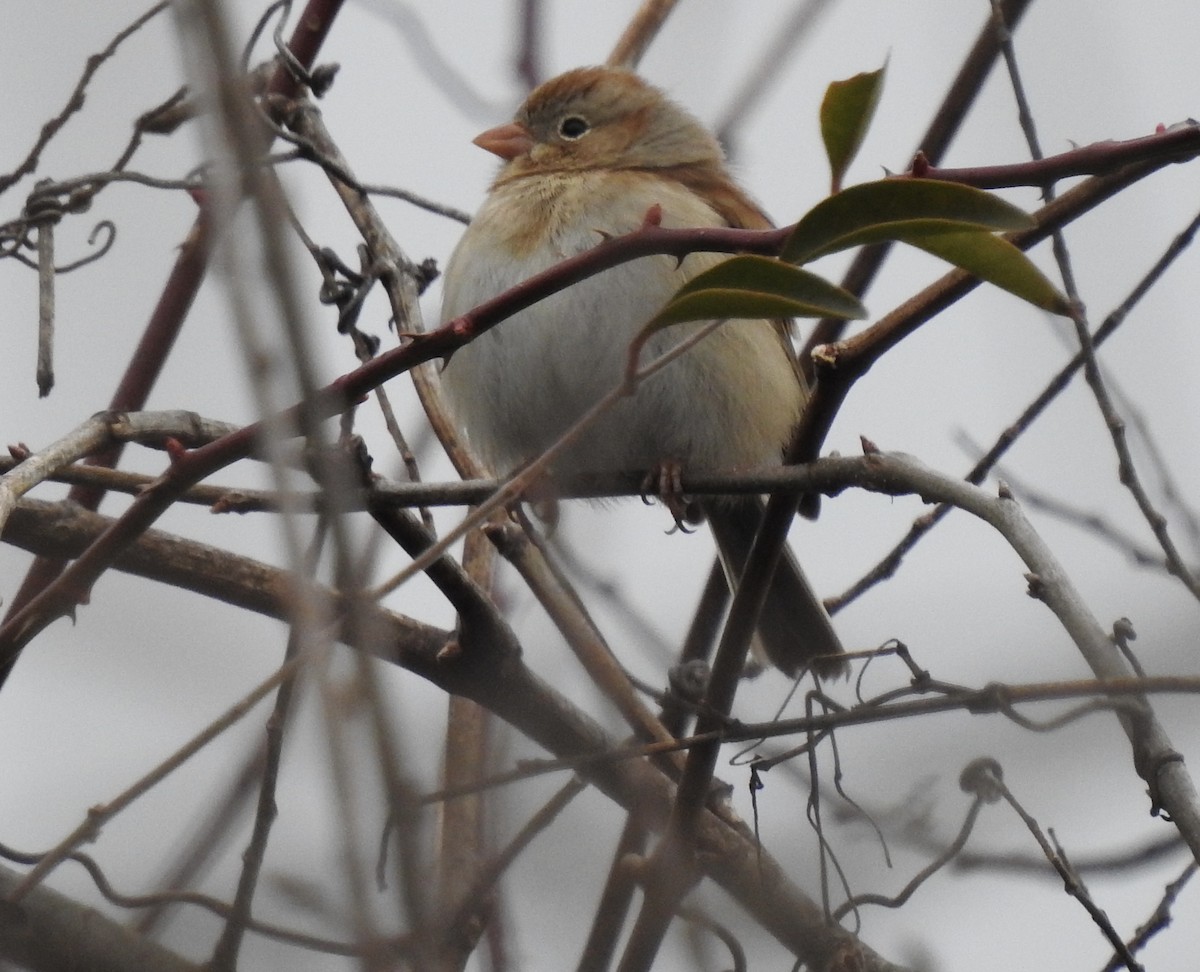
(640, 32)
(50, 932)
(464, 891)
(427, 55)
(529, 44)
(786, 40)
(477, 891)
(225, 953)
(581, 633)
(97, 816)
(166, 321)
(161, 900)
(204, 843)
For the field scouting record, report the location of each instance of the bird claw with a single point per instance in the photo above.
(665, 481)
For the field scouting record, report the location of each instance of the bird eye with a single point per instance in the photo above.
(573, 127)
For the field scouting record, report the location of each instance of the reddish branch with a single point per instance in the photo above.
(1095, 159)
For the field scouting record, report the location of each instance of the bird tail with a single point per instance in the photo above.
(794, 628)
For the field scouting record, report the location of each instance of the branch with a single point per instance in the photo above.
(167, 319)
(933, 144)
(76, 100)
(496, 679)
(1175, 144)
(640, 33)
(840, 366)
(52, 933)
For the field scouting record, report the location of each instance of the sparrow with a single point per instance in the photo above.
(588, 155)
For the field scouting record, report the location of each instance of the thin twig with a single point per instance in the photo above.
(1157, 921)
(1127, 470)
(225, 952)
(99, 815)
(890, 563)
(1071, 882)
(944, 858)
(640, 32)
(76, 100)
(495, 868)
(785, 40)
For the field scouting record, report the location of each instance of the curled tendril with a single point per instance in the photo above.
(247, 51)
(105, 225)
(283, 52)
(11, 243)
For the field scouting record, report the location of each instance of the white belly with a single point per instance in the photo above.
(730, 401)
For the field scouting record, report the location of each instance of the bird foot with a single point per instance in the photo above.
(665, 481)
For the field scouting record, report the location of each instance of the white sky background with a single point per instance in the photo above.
(92, 706)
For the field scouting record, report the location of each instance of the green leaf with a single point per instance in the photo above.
(861, 214)
(993, 259)
(750, 287)
(846, 113)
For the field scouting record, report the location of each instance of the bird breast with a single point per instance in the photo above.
(730, 401)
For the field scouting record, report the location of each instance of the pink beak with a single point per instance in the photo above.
(507, 141)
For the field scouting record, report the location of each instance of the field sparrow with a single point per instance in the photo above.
(587, 155)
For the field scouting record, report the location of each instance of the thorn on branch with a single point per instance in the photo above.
(920, 166)
(176, 450)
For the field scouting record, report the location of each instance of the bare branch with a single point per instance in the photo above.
(50, 931)
(640, 33)
(75, 101)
